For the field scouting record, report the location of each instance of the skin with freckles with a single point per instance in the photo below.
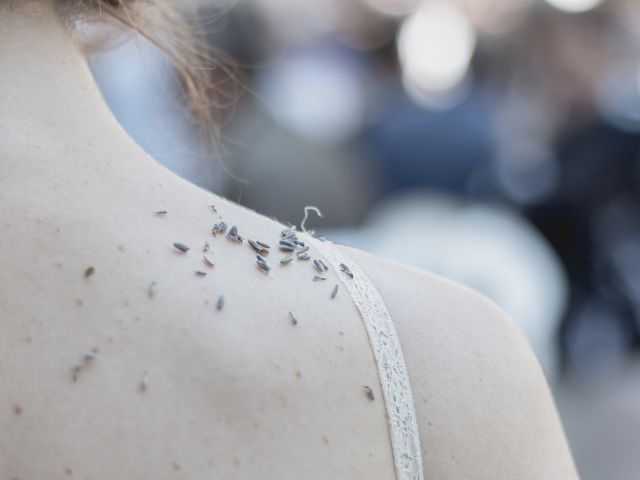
(117, 360)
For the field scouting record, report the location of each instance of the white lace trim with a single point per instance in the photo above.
(392, 371)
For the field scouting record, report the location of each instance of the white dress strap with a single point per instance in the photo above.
(392, 371)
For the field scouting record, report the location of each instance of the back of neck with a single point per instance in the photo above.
(49, 101)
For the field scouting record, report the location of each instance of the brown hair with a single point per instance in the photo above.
(209, 83)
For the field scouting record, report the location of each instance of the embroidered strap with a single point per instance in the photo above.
(392, 371)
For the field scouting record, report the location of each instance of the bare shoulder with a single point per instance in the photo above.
(484, 407)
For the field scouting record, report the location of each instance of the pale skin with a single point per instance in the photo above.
(238, 393)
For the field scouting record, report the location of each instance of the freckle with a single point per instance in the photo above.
(325, 440)
(256, 425)
(79, 302)
(236, 462)
(176, 466)
(341, 334)
(429, 423)
(28, 339)
(298, 374)
(68, 471)
(125, 303)
(136, 319)
(58, 265)
(424, 400)
(340, 348)
(121, 248)
(17, 410)
(95, 349)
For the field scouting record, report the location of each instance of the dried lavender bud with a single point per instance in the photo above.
(182, 247)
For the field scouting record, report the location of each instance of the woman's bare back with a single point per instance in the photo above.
(175, 379)
(117, 361)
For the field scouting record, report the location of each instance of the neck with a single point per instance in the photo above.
(49, 101)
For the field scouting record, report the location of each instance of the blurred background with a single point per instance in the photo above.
(494, 142)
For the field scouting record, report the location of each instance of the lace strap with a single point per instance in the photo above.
(392, 371)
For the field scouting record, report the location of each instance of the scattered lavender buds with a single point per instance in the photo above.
(334, 292)
(182, 247)
(219, 227)
(258, 248)
(200, 273)
(89, 272)
(160, 212)
(344, 269)
(220, 302)
(318, 266)
(87, 358)
(233, 235)
(317, 278)
(290, 237)
(369, 392)
(286, 260)
(262, 264)
(254, 245)
(294, 320)
(287, 246)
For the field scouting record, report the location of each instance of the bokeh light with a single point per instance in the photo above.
(435, 46)
(574, 6)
